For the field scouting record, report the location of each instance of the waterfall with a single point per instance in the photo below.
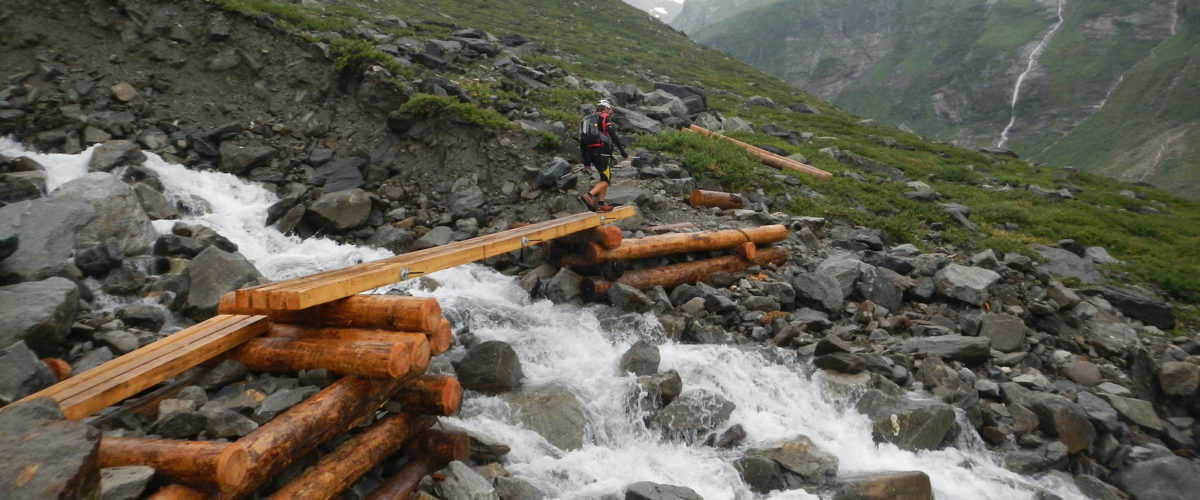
(1033, 57)
(578, 348)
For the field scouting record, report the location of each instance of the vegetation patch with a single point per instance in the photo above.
(429, 106)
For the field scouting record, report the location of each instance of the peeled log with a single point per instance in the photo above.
(676, 243)
(440, 338)
(394, 312)
(609, 236)
(177, 492)
(431, 450)
(419, 345)
(767, 157)
(430, 395)
(339, 469)
(205, 464)
(287, 437)
(347, 357)
(701, 198)
(684, 272)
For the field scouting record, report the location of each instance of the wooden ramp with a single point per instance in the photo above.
(93, 390)
(308, 291)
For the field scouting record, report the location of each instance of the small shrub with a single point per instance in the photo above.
(428, 105)
(548, 140)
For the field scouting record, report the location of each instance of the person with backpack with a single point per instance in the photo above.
(597, 135)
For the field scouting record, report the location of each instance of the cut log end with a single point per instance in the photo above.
(233, 465)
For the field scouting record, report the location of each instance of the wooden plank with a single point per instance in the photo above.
(319, 288)
(100, 387)
(767, 157)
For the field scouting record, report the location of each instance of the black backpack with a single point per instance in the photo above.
(591, 130)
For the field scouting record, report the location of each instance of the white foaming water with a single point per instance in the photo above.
(579, 348)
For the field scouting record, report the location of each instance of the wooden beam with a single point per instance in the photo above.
(204, 464)
(767, 157)
(301, 293)
(393, 312)
(430, 451)
(719, 199)
(365, 358)
(684, 272)
(438, 395)
(96, 389)
(676, 243)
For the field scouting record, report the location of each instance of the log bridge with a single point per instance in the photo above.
(379, 344)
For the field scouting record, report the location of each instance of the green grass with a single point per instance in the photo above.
(428, 106)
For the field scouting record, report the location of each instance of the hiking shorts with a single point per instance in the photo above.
(595, 157)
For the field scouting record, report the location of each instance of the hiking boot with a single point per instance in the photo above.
(603, 207)
(588, 201)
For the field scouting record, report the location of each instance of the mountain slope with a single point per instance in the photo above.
(1100, 96)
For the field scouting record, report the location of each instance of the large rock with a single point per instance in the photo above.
(1006, 332)
(950, 347)
(212, 274)
(113, 154)
(491, 367)
(461, 482)
(87, 210)
(911, 485)
(554, 413)
(1066, 264)
(818, 290)
(646, 490)
(693, 414)
(968, 284)
(341, 210)
(39, 313)
(1057, 416)
(21, 373)
(799, 456)
(1163, 478)
(641, 359)
(910, 425)
(46, 457)
(124, 483)
(1137, 305)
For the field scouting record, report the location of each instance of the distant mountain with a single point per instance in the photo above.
(664, 10)
(1113, 87)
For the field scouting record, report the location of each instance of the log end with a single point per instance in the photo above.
(399, 361)
(419, 354)
(440, 337)
(233, 467)
(451, 397)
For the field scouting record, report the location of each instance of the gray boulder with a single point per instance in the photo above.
(340, 174)
(341, 210)
(950, 347)
(906, 485)
(21, 373)
(910, 425)
(802, 458)
(1137, 304)
(1006, 332)
(39, 313)
(112, 154)
(554, 413)
(818, 290)
(646, 490)
(641, 359)
(1163, 478)
(491, 367)
(968, 284)
(64, 454)
(436, 237)
(693, 414)
(1064, 263)
(124, 483)
(212, 274)
(563, 287)
(461, 482)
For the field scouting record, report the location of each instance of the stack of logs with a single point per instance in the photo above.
(381, 344)
(602, 251)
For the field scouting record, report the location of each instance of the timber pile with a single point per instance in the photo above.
(380, 344)
(599, 253)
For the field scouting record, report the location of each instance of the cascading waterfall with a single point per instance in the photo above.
(578, 348)
(1033, 57)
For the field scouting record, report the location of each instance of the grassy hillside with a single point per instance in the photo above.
(1154, 231)
(947, 67)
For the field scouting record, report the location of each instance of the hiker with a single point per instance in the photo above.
(596, 139)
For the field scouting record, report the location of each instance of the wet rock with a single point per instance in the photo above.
(144, 316)
(113, 154)
(46, 456)
(436, 237)
(340, 211)
(564, 287)
(1095, 489)
(646, 490)
(512, 488)
(802, 458)
(238, 159)
(641, 359)
(761, 474)
(554, 413)
(462, 482)
(628, 298)
(693, 414)
(1052, 455)
(18, 186)
(491, 367)
(910, 425)
(39, 313)
(340, 174)
(841, 361)
(908, 485)
(95, 260)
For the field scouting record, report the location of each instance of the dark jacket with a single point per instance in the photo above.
(609, 129)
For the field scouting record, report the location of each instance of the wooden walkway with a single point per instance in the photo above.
(87, 393)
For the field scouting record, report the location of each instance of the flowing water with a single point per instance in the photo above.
(1033, 57)
(578, 348)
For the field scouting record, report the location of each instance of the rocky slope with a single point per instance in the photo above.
(1057, 372)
